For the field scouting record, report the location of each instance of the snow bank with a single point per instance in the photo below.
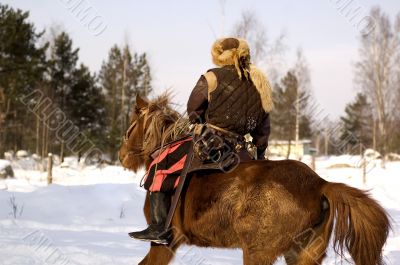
(85, 216)
(4, 164)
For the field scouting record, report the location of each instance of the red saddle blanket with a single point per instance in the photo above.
(163, 172)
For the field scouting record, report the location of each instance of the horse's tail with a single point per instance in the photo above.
(358, 223)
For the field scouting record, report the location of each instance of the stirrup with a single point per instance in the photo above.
(162, 238)
(159, 241)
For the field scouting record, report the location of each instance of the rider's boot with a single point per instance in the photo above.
(160, 203)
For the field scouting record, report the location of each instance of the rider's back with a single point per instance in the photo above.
(234, 104)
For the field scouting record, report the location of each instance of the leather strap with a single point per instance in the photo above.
(229, 133)
(179, 188)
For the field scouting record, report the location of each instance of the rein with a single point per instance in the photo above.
(137, 151)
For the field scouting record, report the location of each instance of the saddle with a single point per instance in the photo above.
(215, 148)
(212, 148)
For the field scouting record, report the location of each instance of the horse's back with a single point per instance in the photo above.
(293, 177)
(262, 200)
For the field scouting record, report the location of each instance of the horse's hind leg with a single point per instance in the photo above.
(159, 255)
(291, 257)
(312, 254)
(257, 258)
(308, 252)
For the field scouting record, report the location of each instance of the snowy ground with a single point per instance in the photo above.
(85, 216)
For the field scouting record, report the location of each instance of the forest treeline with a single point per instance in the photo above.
(51, 103)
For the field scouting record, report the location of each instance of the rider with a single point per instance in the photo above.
(235, 97)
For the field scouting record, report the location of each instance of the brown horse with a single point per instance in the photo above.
(266, 208)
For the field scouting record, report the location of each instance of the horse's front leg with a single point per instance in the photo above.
(159, 255)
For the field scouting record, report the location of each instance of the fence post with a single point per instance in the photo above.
(50, 169)
(313, 162)
(363, 165)
(364, 169)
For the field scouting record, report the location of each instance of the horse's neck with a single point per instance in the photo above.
(170, 131)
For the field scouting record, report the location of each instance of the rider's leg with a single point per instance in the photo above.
(160, 203)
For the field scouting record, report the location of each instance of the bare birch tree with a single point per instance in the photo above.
(302, 72)
(265, 52)
(377, 70)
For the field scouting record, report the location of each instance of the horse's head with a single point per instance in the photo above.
(149, 122)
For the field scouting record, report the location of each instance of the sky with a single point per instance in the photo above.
(177, 36)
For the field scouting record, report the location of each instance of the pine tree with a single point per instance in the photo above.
(62, 68)
(22, 63)
(305, 127)
(86, 108)
(357, 123)
(111, 83)
(63, 65)
(122, 76)
(283, 116)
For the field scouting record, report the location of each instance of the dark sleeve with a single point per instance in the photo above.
(198, 101)
(261, 134)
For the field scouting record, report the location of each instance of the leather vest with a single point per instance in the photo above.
(235, 104)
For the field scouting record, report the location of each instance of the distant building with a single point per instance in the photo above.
(281, 148)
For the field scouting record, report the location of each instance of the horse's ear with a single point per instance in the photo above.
(140, 102)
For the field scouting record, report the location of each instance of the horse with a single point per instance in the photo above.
(266, 208)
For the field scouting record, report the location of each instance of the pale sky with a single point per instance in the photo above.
(177, 35)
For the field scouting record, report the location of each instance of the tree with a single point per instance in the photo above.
(377, 71)
(395, 125)
(395, 139)
(86, 108)
(357, 124)
(62, 67)
(22, 64)
(61, 71)
(283, 116)
(251, 29)
(265, 52)
(122, 76)
(303, 94)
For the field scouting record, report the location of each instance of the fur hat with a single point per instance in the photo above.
(228, 51)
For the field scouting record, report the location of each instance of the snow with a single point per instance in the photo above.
(84, 217)
(22, 154)
(4, 164)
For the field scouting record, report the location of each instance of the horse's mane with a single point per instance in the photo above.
(164, 123)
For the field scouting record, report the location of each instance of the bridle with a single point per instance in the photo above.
(143, 116)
